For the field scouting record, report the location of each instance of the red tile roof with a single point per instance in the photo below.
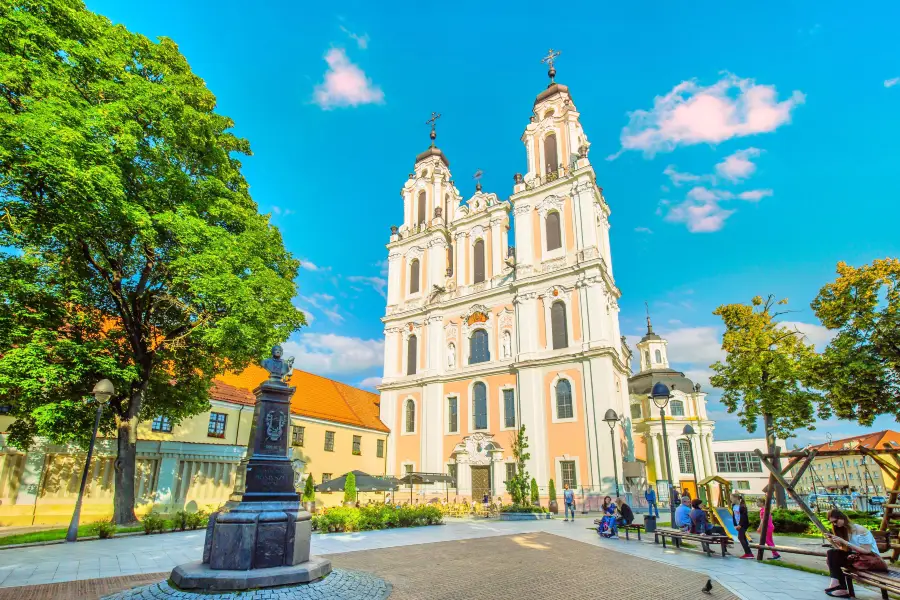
(873, 441)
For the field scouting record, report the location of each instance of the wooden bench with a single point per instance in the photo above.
(626, 528)
(679, 536)
(886, 581)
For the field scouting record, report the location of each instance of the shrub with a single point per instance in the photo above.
(152, 522)
(350, 488)
(103, 529)
(552, 491)
(181, 519)
(795, 521)
(523, 508)
(197, 519)
(349, 518)
(535, 494)
(309, 492)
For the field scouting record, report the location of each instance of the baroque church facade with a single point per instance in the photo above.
(482, 336)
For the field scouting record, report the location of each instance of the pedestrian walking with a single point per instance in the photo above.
(766, 530)
(569, 500)
(650, 497)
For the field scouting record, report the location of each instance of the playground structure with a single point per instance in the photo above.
(718, 506)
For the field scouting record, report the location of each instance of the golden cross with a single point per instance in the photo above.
(551, 56)
(434, 117)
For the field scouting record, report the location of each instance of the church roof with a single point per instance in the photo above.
(675, 380)
(555, 88)
(433, 151)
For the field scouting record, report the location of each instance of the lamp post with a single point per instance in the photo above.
(660, 396)
(689, 433)
(102, 392)
(611, 419)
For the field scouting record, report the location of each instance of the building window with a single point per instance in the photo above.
(326, 477)
(510, 471)
(479, 261)
(479, 350)
(685, 464)
(738, 462)
(636, 411)
(452, 415)
(647, 358)
(509, 408)
(451, 471)
(162, 424)
(410, 416)
(659, 356)
(423, 218)
(357, 445)
(379, 449)
(414, 276)
(553, 231)
(217, 425)
(677, 408)
(567, 468)
(550, 155)
(297, 435)
(407, 469)
(479, 406)
(742, 485)
(412, 345)
(564, 399)
(329, 441)
(558, 325)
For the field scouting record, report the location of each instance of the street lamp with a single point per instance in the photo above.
(102, 392)
(612, 419)
(660, 396)
(689, 432)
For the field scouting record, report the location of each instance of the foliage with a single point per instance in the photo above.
(517, 486)
(796, 521)
(49, 535)
(103, 529)
(523, 508)
(535, 494)
(860, 367)
(153, 522)
(197, 519)
(309, 492)
(180, 520)
(135, 252)
(350, 488)
(552, 491)
(380, 516)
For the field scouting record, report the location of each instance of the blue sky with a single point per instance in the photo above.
(742, 151)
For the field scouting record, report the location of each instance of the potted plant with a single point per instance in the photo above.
(309, 495)
(535, 494)
(554, 507)
(350, 490)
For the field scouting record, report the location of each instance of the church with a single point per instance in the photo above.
(483, 335)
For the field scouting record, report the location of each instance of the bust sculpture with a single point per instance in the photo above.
(279, 370)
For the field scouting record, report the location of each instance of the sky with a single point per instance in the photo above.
(743, 149)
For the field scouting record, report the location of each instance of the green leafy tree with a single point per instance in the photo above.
(134, 250)
(766, 372)
(309, 491)
(535, 494)
(552, 491)
(350, 488)
(517, 487)
(859, 370)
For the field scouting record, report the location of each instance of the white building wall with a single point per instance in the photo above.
(755, 480)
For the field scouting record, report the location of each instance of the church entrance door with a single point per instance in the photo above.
(481, 483)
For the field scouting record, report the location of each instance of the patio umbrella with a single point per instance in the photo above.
(420, 478)
(364, 483)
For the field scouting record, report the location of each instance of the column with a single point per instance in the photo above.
(461, 249)
(709, 453)
(661, 452)
(430, 442)
(463, 475)
(498, 248)
(168, 467)
(595, 311)
(394, 265)
(524, 234)
(584, 213)
(657, 460)
(498, 475)
(407, 207)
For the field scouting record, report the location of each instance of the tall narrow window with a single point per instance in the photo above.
(479, 406)
(550, 155)
(410, 416)
(452, 415)
(509, 408)
(297, 434)
(379, 448)
(647, 359)
(677, 409)
(479, 261)
(636, 411)
(554, 234)
(217, 425)
(423, 218)
(685, 464)
(357, 445)
(558, 324)
(567, 467)
(329, 441)
(658, 356)
(411, 355)
(564, 399)
(479, 350)
(414, 276)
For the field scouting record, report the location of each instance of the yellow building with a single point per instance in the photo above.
(192, 465)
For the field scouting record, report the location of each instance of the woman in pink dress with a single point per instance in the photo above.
(769, 528)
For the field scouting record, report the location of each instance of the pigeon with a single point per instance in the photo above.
(708, 587)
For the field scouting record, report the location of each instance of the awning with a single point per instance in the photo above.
(364, 483)
(425, 478)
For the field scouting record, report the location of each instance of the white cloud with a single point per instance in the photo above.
(281, 212)
(361, 40)
(311, 266)
(376, 283)
(345, 84)
(643, 230)
(701, 211)
(679, 178)
(324, 303)
(755, 195)
(695, 345)
(330, 354)
(370, 382)
(889, 83)
(814, 333)
(694, 114)
(738, 166)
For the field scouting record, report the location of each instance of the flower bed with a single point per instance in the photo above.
(522, 508)
(523, 512)
(381, 516)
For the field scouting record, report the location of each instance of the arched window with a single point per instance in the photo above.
(550, 155)
(658, 356)
(479, 406)
(410, 416)
(554, 234)
(685, 464)
(564, 399)
(414, 276)
(479, 261)
(558, 325)
(647, 359)
(411, 355)
(479, 350)
(677, 408)
(636, 411)
(423, 218)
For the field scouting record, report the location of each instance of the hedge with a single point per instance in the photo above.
(381, 516)
(527, 508)
(795, 521)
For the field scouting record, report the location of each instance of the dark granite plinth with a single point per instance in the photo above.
(196, 575)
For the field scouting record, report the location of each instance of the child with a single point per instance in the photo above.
(766, 538)
(741, 522)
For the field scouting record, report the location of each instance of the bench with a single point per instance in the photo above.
(887, 581)
(626, 528)
(679, 536)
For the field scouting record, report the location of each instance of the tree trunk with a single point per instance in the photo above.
(780, 498)
(123, 498)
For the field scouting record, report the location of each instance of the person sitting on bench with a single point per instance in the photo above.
(626, 515)
(700, 523)
(683, 516)
(854, 547)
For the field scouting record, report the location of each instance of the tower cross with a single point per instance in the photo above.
(477, 178)
(551, 56)
(432, 121)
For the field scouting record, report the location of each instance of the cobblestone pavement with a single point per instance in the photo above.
(341, 584)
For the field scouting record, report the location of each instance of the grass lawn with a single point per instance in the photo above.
(787, 565)
(50, 535)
